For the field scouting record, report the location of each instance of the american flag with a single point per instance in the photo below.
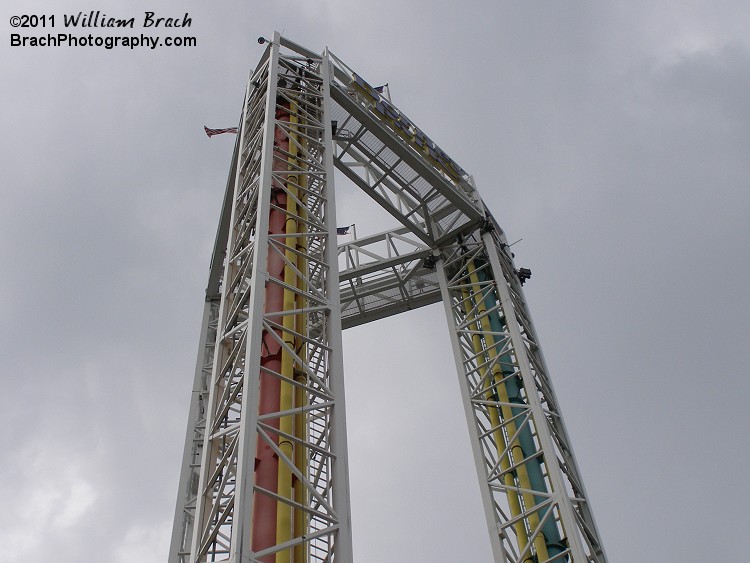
(212, 132)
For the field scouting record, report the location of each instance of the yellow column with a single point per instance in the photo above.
(284, 511)
(300, 397)
(516, 452)
(469, 304)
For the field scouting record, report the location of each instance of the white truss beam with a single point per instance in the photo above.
(305, 437)
(534, 501)
(267, 481)
(385, 274)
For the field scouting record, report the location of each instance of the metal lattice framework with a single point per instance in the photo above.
(265, 476)
(533, 491)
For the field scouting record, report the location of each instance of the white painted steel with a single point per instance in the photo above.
(487, 359)
(226, 487)
(490, 513)
(182, 530)
(576, 515)
(340, 471)
(241, 529)
(384, 274)
(449, 248)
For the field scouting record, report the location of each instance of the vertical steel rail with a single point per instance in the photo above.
(462, 350)
(182, 529)
(575, 508)
(535, 507)
(306, 331)
(224, 502)
(340, 469)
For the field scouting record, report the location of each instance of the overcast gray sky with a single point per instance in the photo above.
(612, 137)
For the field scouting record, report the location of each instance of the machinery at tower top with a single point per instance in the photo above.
(265, 473)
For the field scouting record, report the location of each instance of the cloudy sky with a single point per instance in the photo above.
(612, 137)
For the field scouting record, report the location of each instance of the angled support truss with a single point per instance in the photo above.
(533, 495)
(431, 203)
(265, 473)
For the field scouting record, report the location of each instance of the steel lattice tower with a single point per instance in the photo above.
(264, 475)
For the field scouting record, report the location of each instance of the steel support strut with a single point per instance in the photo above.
(535, 504)
(273, 477)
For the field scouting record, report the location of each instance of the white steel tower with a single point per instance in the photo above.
(264, 475)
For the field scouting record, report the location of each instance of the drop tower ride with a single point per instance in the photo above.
(264, 475)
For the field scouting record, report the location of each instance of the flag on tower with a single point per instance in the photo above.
(343, 230)
(384, 90)
(212, 132)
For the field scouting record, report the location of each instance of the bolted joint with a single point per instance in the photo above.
(429, 262)
(523, 274)
(487, 226)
